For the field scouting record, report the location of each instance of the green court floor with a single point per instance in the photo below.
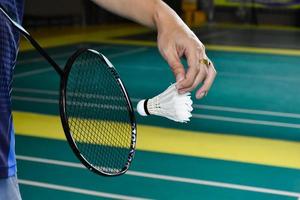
(255, 96)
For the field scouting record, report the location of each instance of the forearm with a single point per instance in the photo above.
(151, 13)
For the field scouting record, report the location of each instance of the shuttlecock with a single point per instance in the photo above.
(169, 104)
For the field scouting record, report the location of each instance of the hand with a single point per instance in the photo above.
(177, 40)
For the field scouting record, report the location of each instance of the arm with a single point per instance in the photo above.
(140, 11)
(174, 39)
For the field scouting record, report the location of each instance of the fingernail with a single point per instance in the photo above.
(201, 95)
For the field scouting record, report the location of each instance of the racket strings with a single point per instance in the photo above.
(97, 114)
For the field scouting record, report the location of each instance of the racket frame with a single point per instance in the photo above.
(64, 117)
(62, 102)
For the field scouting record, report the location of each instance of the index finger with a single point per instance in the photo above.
(192, 72)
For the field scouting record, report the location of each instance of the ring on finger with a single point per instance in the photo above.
(205, 61)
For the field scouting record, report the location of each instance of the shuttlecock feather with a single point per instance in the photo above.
(169, 104)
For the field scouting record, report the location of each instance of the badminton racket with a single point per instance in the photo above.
(95, 109)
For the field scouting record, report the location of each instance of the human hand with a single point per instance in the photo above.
(175, 40)
(178, 40)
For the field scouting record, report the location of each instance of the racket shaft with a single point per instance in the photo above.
(34, 43)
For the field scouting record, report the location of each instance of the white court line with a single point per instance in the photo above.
(33, 72)
(197, 116)
(206, 107)
(128, 52)
(54, 101)
(59, 55)
(247, 111)
(36, 100)
(247, 121)
(56, 93)
(77, 190)
(43, 70)
(36, 91)
(256, 76)
(220, 74)
(171, 178)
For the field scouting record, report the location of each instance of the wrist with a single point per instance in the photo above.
(164, 17)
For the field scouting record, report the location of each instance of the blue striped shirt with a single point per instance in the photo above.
(9, 42)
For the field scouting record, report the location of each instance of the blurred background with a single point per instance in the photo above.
(194, 12)
(243, 141)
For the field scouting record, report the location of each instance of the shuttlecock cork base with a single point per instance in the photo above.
(169, 104)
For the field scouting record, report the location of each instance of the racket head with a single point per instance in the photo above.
(97, 114)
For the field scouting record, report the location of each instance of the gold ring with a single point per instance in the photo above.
(205, 61)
